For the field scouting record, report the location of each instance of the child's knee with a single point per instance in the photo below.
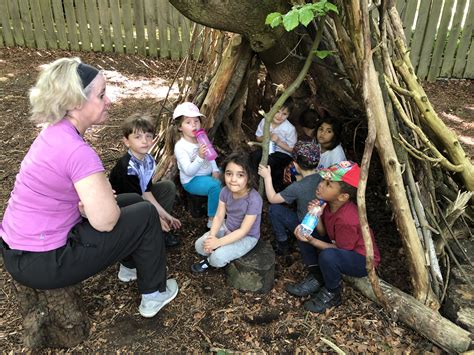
(327, 257)
(218, 259)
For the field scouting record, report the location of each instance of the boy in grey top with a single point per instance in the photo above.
(306, 159)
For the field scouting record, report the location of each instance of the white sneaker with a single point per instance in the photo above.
(126, 275)
(150, 306)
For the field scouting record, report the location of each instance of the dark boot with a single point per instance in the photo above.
(282, 248)
(171, 240)
(201, 266)
(323, 300)
(306, 287)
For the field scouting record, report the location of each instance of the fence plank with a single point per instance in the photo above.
(162, 18)
(139, 26)
(440, 41)
(93, 17)
(38, 24)
(25, 14)
(105, 24)
(60, 24)
(128, 26)
(174, 33)
(428, 41)
(409, 18)
(469, 72)
(7, 31)
(51, 39)
(464, 44)
(418, 36)
(16, 20)
(71, 24)
(449, 52)
(117, 26)
(83, 25)
(150, 16)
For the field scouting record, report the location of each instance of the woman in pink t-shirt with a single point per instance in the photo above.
(62, 218)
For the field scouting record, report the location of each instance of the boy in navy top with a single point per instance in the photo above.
(133, 173)
(339, 245)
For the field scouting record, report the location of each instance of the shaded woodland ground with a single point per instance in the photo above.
(207, 314)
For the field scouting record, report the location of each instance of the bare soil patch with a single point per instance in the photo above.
(207, 314)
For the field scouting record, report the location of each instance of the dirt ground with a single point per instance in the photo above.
(207, 314)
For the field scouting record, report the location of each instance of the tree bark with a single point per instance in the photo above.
(422, 319)
(52, 318)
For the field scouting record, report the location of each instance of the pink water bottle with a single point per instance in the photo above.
(202, 138)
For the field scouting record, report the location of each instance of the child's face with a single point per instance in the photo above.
(328, 190)
(236, 179)
(281, 116)
(139, 143)
(325, 135)
(188, 126)
(308, 131)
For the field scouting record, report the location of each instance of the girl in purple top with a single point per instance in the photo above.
(63, 223)
(235, 236)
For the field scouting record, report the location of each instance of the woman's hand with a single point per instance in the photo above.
(202, 151)
(211, 243)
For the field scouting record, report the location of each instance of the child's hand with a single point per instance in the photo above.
(202, 151)
(211, 243)
(314, 203)
(165, 227)
(264, 171)
(216, 175)
(174, 222)
(300, 236)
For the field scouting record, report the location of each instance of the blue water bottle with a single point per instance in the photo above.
(310, 221)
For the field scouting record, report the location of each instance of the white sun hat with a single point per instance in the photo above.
(186, 109)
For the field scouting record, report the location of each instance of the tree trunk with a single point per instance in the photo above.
(52, 318)
(422, 319)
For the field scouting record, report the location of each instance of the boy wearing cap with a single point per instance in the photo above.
(306, 159)
(339, 244)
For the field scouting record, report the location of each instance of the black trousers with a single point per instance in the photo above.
(136, 241)
(278, 161)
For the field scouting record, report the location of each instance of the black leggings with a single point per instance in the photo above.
(136, 240)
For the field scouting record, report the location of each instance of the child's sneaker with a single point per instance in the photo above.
(308, 286)
(126, 275)
(282, 248)
(152, 303)
(201, 266)
(323, 300)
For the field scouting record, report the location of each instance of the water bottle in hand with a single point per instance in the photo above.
(202, 138)
(310, 221)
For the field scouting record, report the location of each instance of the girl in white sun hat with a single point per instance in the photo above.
(197, 175)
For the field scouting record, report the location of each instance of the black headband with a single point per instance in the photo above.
(87, 73)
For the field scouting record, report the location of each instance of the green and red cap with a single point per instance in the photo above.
(346, 171)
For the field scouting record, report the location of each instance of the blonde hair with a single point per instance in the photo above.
(57, 90)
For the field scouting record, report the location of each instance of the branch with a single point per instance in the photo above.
(286, 94)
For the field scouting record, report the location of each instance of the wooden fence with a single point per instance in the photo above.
(439, 31)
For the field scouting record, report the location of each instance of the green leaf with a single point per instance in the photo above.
(272, 17)
(331, 7)
(290, 20)
(323, 54)
(306, 16)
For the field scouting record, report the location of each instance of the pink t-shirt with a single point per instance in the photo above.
(343, 228)
(43, 205)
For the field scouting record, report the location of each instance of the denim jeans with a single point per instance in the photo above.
(205, 186)
(335, 262)
(282, 220)
(225, 254)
